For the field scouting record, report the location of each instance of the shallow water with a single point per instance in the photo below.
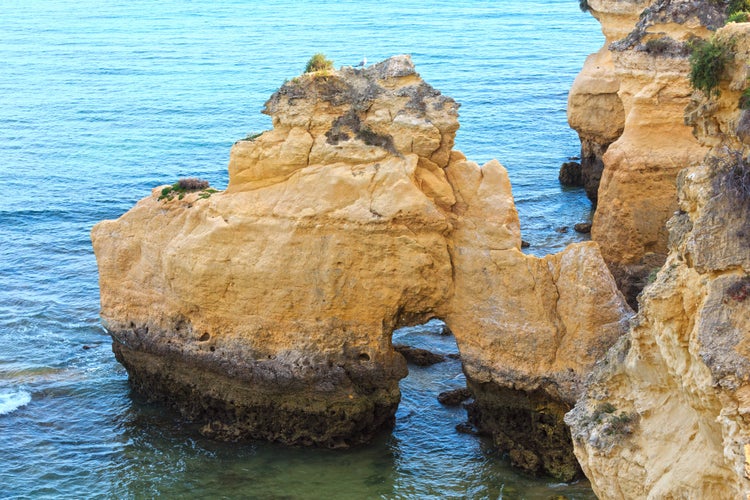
(101, 101)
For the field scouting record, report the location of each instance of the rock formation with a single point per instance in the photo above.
(667, 413)
(627, 106)
(595, 110)
(266, 310)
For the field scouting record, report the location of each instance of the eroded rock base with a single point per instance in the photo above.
(231, 410)
(528, 426)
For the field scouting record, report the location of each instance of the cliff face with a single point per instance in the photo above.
(667, 414)
(646, 144)
(595, 110)
(267, 310)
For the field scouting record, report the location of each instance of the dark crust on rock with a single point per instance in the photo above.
(349, 371)
(528, 426)
(354, 91)
(711, 15)
(231, 410)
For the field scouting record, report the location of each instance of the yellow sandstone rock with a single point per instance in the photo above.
(667, 413)
(638, 141)
(266, 310)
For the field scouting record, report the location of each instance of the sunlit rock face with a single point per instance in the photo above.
(637, 138)
(266, 311)
(595, 110)
(667, 413)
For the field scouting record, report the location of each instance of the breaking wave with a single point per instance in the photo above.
(11, 401)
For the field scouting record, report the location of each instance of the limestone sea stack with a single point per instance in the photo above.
(628, 105)
(266, 310)
(667, 412)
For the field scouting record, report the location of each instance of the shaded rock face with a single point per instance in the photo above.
(636, 89)
(570, 174)
(266, 310)
(667, 413)
(528, 426)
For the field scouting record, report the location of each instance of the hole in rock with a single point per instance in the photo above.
(364, 357)
(422, 422)
(203, 338)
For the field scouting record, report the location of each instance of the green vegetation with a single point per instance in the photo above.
(738, 11)
(620, 424)
(187, 185)
(318, 62)
(732, 178)
(657, 46)
(707, 61)
(736, 6)
(603, 408)
(612, 423)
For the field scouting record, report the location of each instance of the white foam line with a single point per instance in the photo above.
(11, 401)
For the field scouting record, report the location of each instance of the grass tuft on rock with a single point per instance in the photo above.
(187, 185)
(318, 62)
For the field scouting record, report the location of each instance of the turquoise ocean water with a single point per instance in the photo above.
(101, 101)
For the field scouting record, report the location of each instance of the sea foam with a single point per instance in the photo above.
(11, 401)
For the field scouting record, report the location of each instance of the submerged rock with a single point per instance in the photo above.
(417, 356)
(266, 311)
(570, 174)
(454, 397)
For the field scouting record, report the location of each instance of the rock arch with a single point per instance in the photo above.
(266, 311)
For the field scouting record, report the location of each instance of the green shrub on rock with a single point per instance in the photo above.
(707, 61)
(318, 62)
(736, 6)
(187, 185)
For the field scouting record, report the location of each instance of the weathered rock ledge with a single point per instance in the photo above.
(266, 311)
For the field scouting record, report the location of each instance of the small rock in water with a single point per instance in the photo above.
(454, 397)
(417, 356)
(570, 174)
(453, 355)
(525, 244)
(583, 227)
(444, 330)
(562, 229)
(466, 428)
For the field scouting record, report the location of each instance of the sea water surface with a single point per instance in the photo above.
(102, 101)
